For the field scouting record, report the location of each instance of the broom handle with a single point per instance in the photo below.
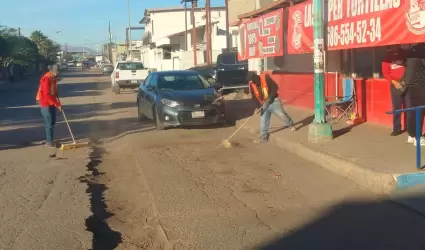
(247, 120)
(67, 124)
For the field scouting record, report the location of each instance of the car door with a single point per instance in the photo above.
(142, 93)
(150, 95)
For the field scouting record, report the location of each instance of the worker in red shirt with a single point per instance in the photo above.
(47, 96)
(393, 67)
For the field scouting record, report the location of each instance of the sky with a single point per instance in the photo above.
(81, 22)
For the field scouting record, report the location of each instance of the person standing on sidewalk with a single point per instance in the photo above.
(264, 91)
(414, 82)
(393, 67)
(47, 96)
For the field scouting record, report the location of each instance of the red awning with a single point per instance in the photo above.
(270, 7)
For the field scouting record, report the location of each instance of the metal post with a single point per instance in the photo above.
(320, 130)
(228, 44)
(129, 30)
(418, 138)
(185, 24)
(208, 30)
(194, 5)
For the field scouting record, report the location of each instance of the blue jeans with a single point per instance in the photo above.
(277, 109)
(397, 101)
(49, 115)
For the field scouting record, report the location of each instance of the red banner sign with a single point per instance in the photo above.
(358, 24)
(369, 23)
(261, 37)
(300, 28)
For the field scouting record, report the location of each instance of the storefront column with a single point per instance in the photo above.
(320, 130)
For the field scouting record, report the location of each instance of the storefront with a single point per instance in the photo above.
(357, 35)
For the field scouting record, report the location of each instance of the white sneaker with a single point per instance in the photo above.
(411, 139)
(422, 142)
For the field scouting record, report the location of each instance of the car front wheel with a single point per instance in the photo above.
(140, 115)
(159, 125)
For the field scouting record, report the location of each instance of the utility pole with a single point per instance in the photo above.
(110, 43)
(194, 5)
(208, 30)
(19, 31)
(320, 130)
(129, 30)
(185, 23)
(228, 44)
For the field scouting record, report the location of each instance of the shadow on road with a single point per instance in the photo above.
(93, 130)
(31, 116)
(82, 89)
(358, 225)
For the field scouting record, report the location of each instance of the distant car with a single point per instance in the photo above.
(179, 98)
(127, 75)
(86, 65)
(79, 64)
(107, 69)
(64, 66)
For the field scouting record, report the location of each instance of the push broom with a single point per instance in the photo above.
(226, 143)
(74, 144)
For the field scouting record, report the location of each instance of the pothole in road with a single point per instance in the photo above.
(104, 238)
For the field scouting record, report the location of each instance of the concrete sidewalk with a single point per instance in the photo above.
(365, 153)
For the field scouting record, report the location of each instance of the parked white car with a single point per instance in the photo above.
(128, 75)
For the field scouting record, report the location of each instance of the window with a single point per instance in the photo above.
(229, 59)
(147, 80)
(167, 53)
(181, 82)
(130, 66)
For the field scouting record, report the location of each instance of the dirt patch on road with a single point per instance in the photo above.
(128, 200)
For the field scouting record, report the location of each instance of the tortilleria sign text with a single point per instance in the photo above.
(367, 23)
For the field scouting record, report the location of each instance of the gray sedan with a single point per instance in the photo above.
(107, 69)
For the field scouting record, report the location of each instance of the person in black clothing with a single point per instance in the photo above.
(266, 93)
(414, 83)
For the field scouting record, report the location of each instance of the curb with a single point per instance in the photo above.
(375, 181)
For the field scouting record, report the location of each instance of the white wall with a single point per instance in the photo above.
(163, 24)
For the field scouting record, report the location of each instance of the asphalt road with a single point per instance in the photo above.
(138, 188)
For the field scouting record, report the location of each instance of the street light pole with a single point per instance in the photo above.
(320, 130)
(129, 29)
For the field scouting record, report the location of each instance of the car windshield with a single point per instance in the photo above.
(182, 82)
(130, 66)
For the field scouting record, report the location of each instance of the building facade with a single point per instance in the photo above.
(167, 46)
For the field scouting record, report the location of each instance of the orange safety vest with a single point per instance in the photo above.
(53, 89)
(264, 89)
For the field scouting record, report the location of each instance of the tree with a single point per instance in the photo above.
(17, 49)
(47, 48)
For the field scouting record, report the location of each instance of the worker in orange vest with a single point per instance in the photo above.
(264, 91)
(47, 96)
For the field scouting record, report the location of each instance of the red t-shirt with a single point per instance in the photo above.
(47, 93)
(393, 65)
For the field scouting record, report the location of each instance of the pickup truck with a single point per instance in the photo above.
(228, 72)
(128, 74)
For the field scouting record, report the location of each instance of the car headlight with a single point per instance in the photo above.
(218, 101)
(170, 103)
